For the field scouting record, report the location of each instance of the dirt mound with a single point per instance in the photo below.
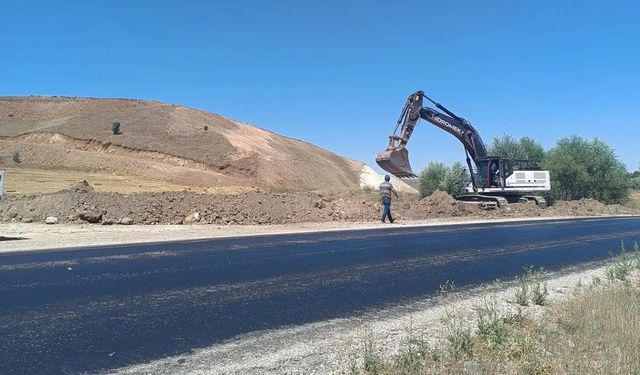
(81, 187)
(81, 203)
(441, 204)
(438, 198)
(165, 142)
(584, 207)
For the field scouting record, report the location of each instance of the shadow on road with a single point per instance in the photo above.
(2, 238)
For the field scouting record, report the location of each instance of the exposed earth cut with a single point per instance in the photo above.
(81, 204)
(170, 146)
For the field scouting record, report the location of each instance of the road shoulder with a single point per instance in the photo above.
(328, 347)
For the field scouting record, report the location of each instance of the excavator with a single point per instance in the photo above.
(494, 180)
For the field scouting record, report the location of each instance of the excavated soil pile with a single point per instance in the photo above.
(80, 203)
(586, 207)
(441, 204)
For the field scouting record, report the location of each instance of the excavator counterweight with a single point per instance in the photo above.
(396, 162)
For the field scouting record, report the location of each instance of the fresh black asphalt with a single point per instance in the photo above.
(90, 310)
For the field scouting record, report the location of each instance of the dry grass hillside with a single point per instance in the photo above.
(635, 199)
(162, 146)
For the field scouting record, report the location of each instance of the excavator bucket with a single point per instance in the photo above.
(396, 162)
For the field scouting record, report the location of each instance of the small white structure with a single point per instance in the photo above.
(1, 184)
(370, 179)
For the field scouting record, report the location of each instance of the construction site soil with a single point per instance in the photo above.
(81, 204)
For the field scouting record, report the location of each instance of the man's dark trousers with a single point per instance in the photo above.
(386, 212)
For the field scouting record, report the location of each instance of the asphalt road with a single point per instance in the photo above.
(103, 308)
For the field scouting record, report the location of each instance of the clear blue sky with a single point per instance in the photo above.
(336, 73)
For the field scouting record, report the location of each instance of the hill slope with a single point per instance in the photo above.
(162, 142)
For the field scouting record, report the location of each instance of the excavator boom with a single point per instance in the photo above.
(395, 158)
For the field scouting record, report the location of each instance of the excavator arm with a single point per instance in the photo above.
(395, 158)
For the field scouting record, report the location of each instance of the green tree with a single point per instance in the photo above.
(115, 128)
(582, 168)
(635, 180)
(455, 179)
(437, 176)
(531, 150)
(432, 178)
(509, 147)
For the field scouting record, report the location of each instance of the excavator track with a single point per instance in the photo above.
(498, 201)
(540, 201)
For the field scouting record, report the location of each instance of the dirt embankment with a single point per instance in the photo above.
(169, 143)
(81, 203)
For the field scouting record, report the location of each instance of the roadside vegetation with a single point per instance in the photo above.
(635, 180)
(580, 168)
(509, 147)
(595, 331)
(437, 176)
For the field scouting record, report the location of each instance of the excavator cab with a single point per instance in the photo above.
(508, 174)
(490, 173)
(395, 161)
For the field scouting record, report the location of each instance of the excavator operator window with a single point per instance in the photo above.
(508, 167)
(494, 173)
(489, 173)
(482, 174)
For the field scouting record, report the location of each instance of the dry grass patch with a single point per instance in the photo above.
(597, 331)
(31, 181)
(634, 199)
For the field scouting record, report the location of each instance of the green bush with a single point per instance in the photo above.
(509, 147)
(522, 291)
(437, 176)
(531, 285)
(115, 128)
(623, 264)
(432, 178)
(372, 362)
(491, 325)
(635, 180)
(455, 180)
(539, 291)
(582, 168)
(412, 356)
(458, 335)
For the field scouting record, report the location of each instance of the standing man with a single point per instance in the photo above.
(386, 189)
